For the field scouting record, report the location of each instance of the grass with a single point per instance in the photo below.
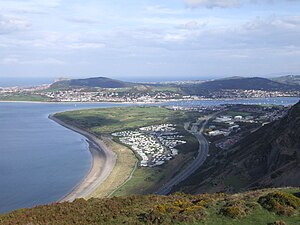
(235, 181)
(166, 89)
(24, 97)
(124, 165)
(179, 208)
(107, 121)
(148, 180)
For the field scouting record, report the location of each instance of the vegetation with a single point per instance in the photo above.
(102, 82)
(147, 180)
(267, 157)
(23, 97)
(280, 203)
(252, 83)
(109, 120)
(289, 79)
(125, 164)
(209, 209)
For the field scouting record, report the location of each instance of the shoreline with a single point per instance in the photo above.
(103, 162)
(144, 103)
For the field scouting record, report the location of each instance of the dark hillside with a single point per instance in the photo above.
(101, 82)
(237, 83)
(269, 157)
(290, 79)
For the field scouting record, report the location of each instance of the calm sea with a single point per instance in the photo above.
(41, 161)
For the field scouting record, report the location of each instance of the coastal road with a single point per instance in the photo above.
(198, 161)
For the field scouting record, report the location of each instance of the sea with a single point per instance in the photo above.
(41, 161)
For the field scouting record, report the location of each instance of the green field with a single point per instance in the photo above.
(24, 97)
(109, 120)
(260, 207)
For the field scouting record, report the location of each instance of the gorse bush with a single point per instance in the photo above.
(179, 210)
(280, 203)
(234, 209)
(278, 222)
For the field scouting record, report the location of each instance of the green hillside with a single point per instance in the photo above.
(268, 157)
(272, 206)
(100, 82)
(238, 83)
(289, 79)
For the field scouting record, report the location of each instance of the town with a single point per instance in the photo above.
(233, 122)
(154, 144)
(110, 95)
(137, 94)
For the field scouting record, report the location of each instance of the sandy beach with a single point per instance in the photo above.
(103, 162)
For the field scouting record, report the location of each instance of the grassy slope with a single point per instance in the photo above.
(122, 170)
(210, 209)
(107, 121)
(24, 97)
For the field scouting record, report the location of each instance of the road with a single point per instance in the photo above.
(198, 161)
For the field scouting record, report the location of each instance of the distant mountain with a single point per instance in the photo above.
(101, 82)
(189, 88)
(269, 157)
(253, 83)
(289, 79)
(237, 83)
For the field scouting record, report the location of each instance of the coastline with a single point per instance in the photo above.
(103, 162)
(144, 103)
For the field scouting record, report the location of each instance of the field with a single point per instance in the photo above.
(107, 121)
(103, 122)
(122, 170)
(148, 180)
(23, 97)
(263, 207)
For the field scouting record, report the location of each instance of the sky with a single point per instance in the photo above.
(149, 40)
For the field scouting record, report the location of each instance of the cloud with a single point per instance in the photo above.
(191, 25)
(10, 60)
(228, 3)
(174, 38)
(13, 60)
(83, 21)
(12, 24)
(213, 3)
(86, 45)
(29, 7)
(47, 61)
(159, 9)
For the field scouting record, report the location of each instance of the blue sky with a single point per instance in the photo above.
(143, 39)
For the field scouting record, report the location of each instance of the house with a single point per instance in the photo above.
(238, 117)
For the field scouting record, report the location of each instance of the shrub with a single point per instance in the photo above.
(278, 222)
(178, 210)
(233, 211)
(236, 209)
(280, 203)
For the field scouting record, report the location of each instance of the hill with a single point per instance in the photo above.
(238, 83)
(273, 206)
(101, 82)
(269, 157)
(289, 79)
